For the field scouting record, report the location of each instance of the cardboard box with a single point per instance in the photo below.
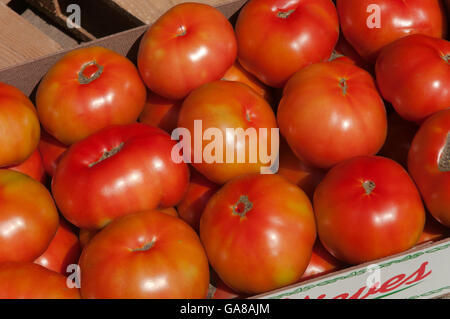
(422, 272)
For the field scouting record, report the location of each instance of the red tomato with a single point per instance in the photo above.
(399, 138)
(145, 255)
(218, 289)
(87, 90)
(86, 235)
(51, 151)
(32, 281)
(169, 211)
(117, 171)
(331, 112)
(64, 250)
(433, 231)
(276, 38)
(429, 164)
(32, 167)
(28, 217)
(258, 232)
(239, 74)
(160, 112)
(19, 124)
(190, 45)
(397, 18)
(235, 106)
(197, 196)
(297, 172)
(413, 74)
(321, 263)
(350, 55)
(368, 208)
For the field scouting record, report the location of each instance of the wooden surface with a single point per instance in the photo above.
(20, 41)
(149, 10)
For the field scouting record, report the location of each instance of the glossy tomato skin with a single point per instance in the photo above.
(331, 112)
(161, 112)
(321, 263)
(20, 126)
(397, 20)
(368, 208)
(145, 255)
(190, 45)
(51, 151)
(119, 170)
(32, 281)
(433, 230)
(218, 289)
(429, 164)
(64, 250)
(398, 66)
(74, 101)
(197, 196)
(278, 38)
(32, 167)
(258, 232)
(28, 217)
(235, 106)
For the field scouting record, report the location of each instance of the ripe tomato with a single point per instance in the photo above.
(19, 124)
(161, 112)
(398, 68)
(32, 281)
(238, 74)
(86, 235)
(235, 106)
(397, 19)
(321, 263)
(331, 112)
(258, 232)
(64, 250)
(28, 217)
(87, 90)
(349, 54)
(197, 196)
(145, 255)
(32, 167)
(190, 45)
(368, 208)
(51, 151)
(117, 171)
(433, 231)
(276, 38)
(429, 164)
(218, 289)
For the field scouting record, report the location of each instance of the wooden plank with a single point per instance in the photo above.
(147, 11)
(20, 41)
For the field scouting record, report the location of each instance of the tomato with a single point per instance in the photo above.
(399, 138)
(169, 211)
(321, 263)
(28, 217)
(32, 167)
(197, 196)
(276, 38)
(429, 164)
(32, 281)
(331, 112)
(258, 232)
(145, 255)
(297, 172)
(238, 74)
(433, 231)
(51, 151)
(86, 235)
(350, 54)
(190, 45)
(218, 289)
(235, 106)
(397, 19)
(368, 208)
(119, 170)
(398, 68)
(64, 250)
(19, 124)
(161, 112)
(87, 90)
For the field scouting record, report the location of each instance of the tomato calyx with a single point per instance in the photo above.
(243, 206)
(343, 85)
(446, 58)
(89, 72)
(444, 161)
(146, 246)
(181, 31)
(285, 14)
(108, 154)
(368, 186)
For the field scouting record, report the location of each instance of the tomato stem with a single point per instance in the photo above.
(369, 186)
(446, 58)
(83, 79)
(344, 86)
(243, 206)
(145, 247)
(285, 14)
(108, 154)
(444, 161)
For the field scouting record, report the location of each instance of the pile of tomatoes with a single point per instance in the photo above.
(93, 203)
